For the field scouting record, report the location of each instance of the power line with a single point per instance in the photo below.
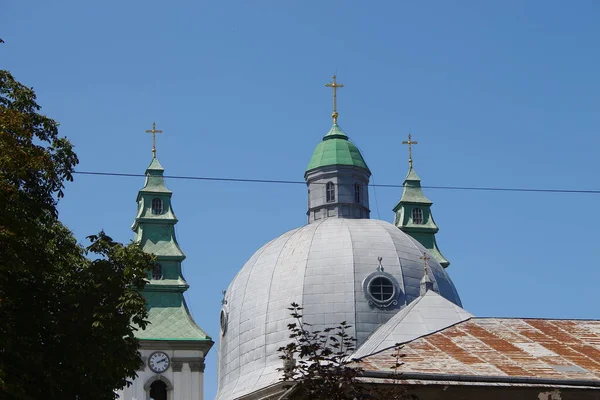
(277, 181)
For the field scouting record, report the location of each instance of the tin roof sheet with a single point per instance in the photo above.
(427, 314)
(496, 347)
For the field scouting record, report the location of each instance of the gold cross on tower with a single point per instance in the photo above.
(154, 131)
(425, 258)
(334, 85)
(410, 144)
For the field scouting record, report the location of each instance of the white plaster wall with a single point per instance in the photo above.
(187, 385)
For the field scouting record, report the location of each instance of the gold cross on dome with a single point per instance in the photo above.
(410, 143)
(425, 258)
(334, 85)
(154, 131)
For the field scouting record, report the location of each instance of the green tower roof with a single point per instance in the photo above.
(170, 319)
(412, 190)
(154, 228)
(336, 149)
(414, 217)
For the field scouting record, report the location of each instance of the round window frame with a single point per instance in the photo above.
(372, 300)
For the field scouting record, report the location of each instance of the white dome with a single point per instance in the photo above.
(326, 267)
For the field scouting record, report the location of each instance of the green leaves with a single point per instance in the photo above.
(68, 321)
(319, 363)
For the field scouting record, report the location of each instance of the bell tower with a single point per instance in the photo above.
(173, 347)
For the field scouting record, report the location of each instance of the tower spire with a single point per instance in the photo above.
(413, 211)
(154, 228)
(334, 85)
(154, 131)
(410, 143)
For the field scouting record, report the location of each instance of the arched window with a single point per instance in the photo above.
(330, 192)
(417, 216)
(157, 206)
(357, 193)
(158, 390)
(157, 272)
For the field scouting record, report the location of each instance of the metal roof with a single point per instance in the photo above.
(500, 348)
(336, 149)
(170, 321)
(429, 313)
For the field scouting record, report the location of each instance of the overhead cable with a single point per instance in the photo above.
(277, 181)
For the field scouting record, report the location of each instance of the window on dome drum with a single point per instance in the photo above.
(157, 272)
(381, 288)
(157, 206)
(417, 216)
(223, 322)
(158, 390)
(330, 192)
(357, 193)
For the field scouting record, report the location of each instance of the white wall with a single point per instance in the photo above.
(187, 384)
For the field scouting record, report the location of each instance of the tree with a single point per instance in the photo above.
(319, 363)
(67, 321)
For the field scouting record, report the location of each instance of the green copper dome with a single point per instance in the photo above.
(336, 149)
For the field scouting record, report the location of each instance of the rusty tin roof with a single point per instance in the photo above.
(502, 347)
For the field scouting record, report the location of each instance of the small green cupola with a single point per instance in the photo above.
(413, 213)
(154, 228)
(337, 175)
(336, 149)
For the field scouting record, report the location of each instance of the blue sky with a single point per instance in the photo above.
(498, 93)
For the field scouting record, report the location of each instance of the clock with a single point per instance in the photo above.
(159, 362)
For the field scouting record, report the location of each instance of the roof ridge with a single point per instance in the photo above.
(420, 337)
(393, 325)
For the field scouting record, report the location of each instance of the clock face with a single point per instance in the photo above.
(158, 362)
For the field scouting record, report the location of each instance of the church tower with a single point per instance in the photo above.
(413, 212)
(173, 347)
(337, 175)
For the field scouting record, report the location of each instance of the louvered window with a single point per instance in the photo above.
(157, 272)
(157, 206)
(417, 216)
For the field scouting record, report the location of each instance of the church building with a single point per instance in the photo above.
(389, 281)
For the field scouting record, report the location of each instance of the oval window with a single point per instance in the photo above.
(223, 322)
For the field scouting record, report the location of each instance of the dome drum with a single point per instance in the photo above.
(338, 191)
